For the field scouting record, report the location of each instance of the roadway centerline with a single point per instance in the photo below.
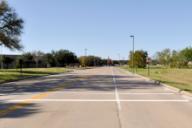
(118, 102)
(116, 91)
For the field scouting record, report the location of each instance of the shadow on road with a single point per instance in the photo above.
(69, 82)
(74, 81)
(17, 110)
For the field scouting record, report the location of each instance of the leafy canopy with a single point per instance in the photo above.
(10, 27)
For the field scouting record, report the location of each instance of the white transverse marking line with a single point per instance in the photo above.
(108, 93)
(116, 92)
(145, 93)
(96, 100)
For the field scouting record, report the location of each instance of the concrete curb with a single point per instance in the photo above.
(174, 89)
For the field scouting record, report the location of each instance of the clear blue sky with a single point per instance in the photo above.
(104, 26)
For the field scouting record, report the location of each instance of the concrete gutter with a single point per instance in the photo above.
(174, 89)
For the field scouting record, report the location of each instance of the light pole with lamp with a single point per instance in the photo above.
(133, 51)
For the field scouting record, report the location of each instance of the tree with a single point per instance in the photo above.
(164, 57)
(92, 61)
(28, 60)
(7, 61)
(50, 60)
(187, 54)
(65, 57)
(175, 59)
(10, 27)
(140, 58)
(38, 57)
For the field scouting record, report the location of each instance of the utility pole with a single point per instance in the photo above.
(119, 59)
(133, 51)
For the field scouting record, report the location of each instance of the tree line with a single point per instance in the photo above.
(167, 58)
(60, 58)
(175, 59)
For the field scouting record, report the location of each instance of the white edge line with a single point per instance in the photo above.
(187, 97)
(168, 89)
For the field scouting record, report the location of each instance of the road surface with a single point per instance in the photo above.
(103, 97)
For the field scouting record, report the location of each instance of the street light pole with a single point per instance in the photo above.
(133, 51)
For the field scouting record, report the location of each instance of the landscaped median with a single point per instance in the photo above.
(179, 78)
(7, 75)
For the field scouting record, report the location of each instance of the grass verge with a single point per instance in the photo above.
(8, 75)
(179, 78)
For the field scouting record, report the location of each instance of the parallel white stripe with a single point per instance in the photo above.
(146, 93)
(120, 93)
(96, 100)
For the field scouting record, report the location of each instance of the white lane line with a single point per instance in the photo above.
(116, 92)
(187, 97)
(95, 100)
(168, 89)
(110, 93)
(146, 93)
(87, 93)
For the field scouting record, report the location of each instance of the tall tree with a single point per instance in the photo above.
(187, 54)
(28, 60)
(7, 61)
(38, 57)
(65, 58)
(50, 60)
(139, 59)
(164, 57)
(10, 27)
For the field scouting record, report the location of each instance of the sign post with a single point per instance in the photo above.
(21, 66)
(148, 65)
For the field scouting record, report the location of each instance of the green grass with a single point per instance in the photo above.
(179, 78)
(14, 74)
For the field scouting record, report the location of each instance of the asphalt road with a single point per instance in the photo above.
(94, 98)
